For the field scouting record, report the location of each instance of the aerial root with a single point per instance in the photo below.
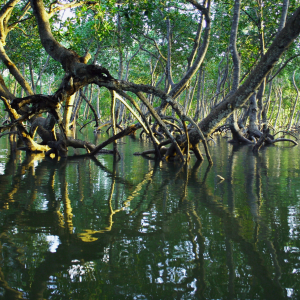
(265, 138)
(261, 140)
(284, 140)
(286, 133)
(57, 147)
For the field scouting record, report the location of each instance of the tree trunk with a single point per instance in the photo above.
(295, 103)
(279, 92)
(236, 134)
(69, 105)
(266, 107)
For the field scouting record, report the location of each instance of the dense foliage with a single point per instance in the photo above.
(152, 43)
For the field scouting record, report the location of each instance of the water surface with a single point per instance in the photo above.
(82, 228)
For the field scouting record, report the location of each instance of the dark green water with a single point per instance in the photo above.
(90, 229)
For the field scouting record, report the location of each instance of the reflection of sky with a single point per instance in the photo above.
(293, 221)
(78, 271)
(2, 168)
(289, 292)
(3, 155)
(53, 242)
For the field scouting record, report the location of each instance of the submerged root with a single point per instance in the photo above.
(265, 138)
(286, 133)
(284, 140)
(162, 150)
(261, 141)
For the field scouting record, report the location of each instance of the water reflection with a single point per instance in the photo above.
(137, 228)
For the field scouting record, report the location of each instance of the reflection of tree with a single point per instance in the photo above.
(87, 235)
(68, 223)
(27, 166)
(233, 231)
(231, 206)
(72, 247)
(198, 240)
(10, 293)
(255, 167)
(105, 242)
(195, 233)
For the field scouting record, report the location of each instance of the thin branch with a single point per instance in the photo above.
(12, 25)
(254, 21)
(280, 69)
(66, 6)
(25, 8)
(155, 44)
(284, 140)
(91, 107)
(287, 133)
(11, 132)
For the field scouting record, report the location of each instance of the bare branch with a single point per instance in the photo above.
(283, 66)
(155, 44)
(63, 6)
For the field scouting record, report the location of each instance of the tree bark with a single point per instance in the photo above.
(295, 103)
(233, 125)
(279, 105)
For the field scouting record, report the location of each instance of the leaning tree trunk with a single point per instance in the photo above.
(266, 64)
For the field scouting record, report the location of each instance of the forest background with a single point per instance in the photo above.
(168, 67)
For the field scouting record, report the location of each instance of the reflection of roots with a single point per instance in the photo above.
(171, 153)
(87, 237)
(178, 150)
(256, 137)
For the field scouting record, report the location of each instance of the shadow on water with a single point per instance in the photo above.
(139, 229)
